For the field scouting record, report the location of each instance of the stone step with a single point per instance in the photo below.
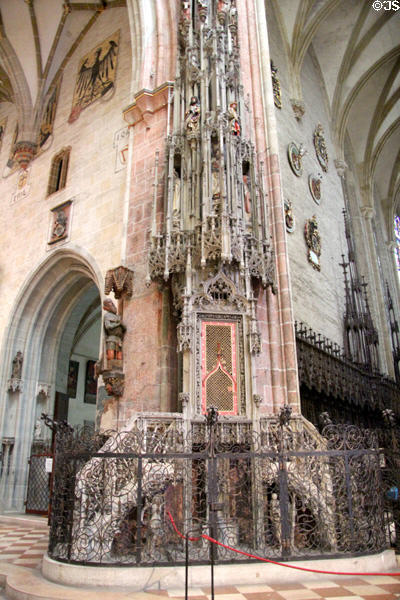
(20, 583)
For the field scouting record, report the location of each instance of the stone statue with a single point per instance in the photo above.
(192, 116)
(16, 370)
(215, 174)
(114, 330)
(37, 432)
(176, 199)
(234, 119)
(247, 196)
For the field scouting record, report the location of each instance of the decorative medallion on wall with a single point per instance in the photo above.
(313, 241)
(295, 154)
(46, 127)
(23, 186)
(96, 75)
(320, 147)
(276, 86)
(314, 183)
(60, 222)
(289, 217)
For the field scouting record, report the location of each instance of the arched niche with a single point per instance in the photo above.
(56, 317)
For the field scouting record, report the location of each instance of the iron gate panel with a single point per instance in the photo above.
(38, 493)
(114, 493)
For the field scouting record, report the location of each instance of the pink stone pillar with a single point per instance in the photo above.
(277, 378)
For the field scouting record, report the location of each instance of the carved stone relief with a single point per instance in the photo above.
(276, 86)
(60, 223)
(313, 241)
(320, 147)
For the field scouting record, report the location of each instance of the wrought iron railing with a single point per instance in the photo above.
(270, 495)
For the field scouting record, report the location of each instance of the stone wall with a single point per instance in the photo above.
(96, 189)
(318, 296)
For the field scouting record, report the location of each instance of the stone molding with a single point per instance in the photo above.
(147, 103)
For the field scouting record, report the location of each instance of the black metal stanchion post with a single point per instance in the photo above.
(212, 418)
(186, 566)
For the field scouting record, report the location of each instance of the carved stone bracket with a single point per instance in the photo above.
(184, 399)
(15, 385)
(257, 399)
(24, 153)
(119, 281)
(43, 391)
(114, 382)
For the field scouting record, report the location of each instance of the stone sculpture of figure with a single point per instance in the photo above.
(16, 369)
(192, 116)
(176, 199)
(247, 196)
(276, 518)
(215, 167)
(234, 119)
(114, 330)
(37, 432)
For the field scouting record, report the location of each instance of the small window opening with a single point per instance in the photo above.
(58, 171)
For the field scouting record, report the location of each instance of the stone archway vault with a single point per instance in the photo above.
(41, 327)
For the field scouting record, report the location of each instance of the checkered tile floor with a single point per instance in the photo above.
(22, 545)
(346, 588)
(25, 546)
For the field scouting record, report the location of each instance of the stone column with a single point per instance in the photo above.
(277, 365)
(147, 347)
(376, 293)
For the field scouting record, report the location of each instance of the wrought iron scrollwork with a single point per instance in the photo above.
(269, 494)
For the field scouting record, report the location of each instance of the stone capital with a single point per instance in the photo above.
(367, 212)
(146, 103)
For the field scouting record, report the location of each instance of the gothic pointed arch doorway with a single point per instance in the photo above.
(56, 329)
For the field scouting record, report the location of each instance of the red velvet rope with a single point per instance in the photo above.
(267, 560)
